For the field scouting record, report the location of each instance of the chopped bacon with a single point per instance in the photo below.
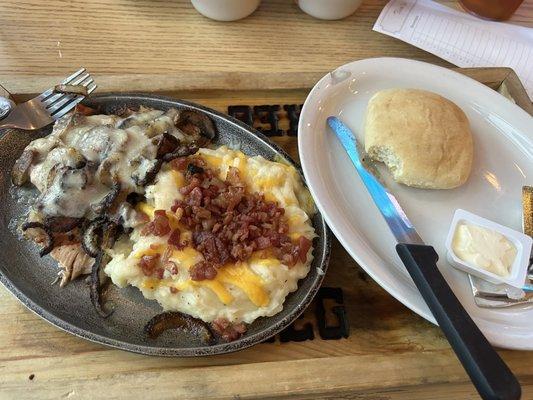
(228, 224)
(263, 242)
(159, 273)
(202, 271)
(175, 239)
(179, 164)
(160, 226)
(193, 184)
(304, 245)
(233, 177)
(148, 264)
(227, 330)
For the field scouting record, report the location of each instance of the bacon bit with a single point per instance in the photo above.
(174, 239)
(173, 290)
(304, 245)
(195, 197)
(202, 271)
(228, 331)
(233, 177)
(263, 243)
(179, 164)
(194, 183)
(148, 264)
(159, 273)
(143, 217)
(160, 226)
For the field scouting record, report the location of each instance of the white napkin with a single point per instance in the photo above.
(460, 38)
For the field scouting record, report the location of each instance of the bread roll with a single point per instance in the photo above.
(423, 138)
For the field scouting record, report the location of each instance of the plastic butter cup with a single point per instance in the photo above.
(522, 243)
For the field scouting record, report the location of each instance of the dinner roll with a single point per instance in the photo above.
(423, 138)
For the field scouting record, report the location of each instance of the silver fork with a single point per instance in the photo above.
(49, 106)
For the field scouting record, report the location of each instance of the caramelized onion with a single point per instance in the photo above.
(95, 285)
(49, 246)
(176, 320)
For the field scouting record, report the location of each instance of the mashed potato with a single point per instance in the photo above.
(241, 292)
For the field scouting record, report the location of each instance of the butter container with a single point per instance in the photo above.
(522, 243)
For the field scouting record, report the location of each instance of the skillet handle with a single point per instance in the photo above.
(490, 375)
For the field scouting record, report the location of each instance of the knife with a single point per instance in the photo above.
(490, 375)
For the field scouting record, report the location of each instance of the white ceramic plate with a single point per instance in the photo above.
(503, 163)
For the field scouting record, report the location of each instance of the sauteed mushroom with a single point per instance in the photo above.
(108, 200)
(71, 89)
(21, 170)
(95, 284)
(194, 123)
(174, 320)
(182, 151)
(91, 237)
(49, 244)
(166, 143)
(62, 224)
(149, 174)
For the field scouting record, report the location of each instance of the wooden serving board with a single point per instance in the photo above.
(354, 342)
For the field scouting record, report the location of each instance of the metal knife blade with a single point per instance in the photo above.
(402, 229)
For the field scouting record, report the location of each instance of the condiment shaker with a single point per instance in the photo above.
(329, 9)
(225, 10)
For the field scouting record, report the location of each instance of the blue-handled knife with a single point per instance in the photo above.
(490, 375)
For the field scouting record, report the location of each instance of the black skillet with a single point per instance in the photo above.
(29, 277)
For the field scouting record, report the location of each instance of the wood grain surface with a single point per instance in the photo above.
(166, 47)
(390, 351)
(167, 44)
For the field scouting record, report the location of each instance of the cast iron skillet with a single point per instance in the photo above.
(29, 277)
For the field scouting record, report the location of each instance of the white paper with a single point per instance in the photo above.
(460, 38)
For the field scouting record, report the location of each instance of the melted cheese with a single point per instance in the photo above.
(151, 283)
(178, 178)
(187, 257)
(218, 288)
(213, 161)
(241, 276)
(268, 262)
(268, 182)
(146, 209)
(150, 251)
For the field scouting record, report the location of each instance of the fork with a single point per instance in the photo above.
(49, 106)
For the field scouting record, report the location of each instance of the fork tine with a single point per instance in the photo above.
(52, 99)
(65, 81)
(91, 88)
(67, 107)
(73, 76)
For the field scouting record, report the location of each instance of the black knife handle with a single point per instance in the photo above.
(490, 375)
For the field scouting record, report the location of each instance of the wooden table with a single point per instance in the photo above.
(165, 46)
